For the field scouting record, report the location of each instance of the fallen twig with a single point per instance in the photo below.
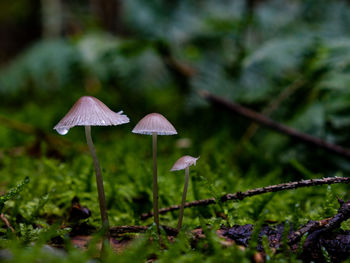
(7, 223)
(257, 191)
(263, 120)
(117, 230)
(268, 110)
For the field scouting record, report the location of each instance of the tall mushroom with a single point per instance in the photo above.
(89, 111)
(155, 124)
(184, 163)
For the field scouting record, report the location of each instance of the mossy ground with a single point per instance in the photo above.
(41, 210)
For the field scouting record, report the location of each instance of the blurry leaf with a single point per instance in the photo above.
(46, 66)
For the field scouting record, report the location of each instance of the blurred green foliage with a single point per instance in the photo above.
(289, 56)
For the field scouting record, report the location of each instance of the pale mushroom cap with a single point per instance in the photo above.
(89, 111)
(154, 123)
(184, 162)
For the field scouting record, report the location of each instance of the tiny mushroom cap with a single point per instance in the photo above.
(154, 123)
(184, 162)
(89, 111)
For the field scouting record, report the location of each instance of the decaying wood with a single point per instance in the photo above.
(257, 191)
(325, 225)
(322, 237)
(319, 234)
(337, 244)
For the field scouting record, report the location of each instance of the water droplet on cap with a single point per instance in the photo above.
(62, 131)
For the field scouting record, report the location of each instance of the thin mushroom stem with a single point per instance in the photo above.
(99, 180)
(184, 193)
(155, 182)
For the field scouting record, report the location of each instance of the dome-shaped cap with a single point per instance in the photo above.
(184, 162)
(89, 111)
(154, 123)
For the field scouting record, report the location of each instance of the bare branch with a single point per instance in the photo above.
(263, 120)
(257, 191)
(268, 110)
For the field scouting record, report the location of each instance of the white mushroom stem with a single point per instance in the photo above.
(187, 176)
(99, 181)
(155, 182)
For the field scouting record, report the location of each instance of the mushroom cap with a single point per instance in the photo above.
(89, 111)
(154, 123)
(184, 162)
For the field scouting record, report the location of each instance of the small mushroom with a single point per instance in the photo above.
(154, 124)
(184, 163)
(89, 111)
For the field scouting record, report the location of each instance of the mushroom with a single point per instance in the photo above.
(89, 111)
(183, 163)
(154, 124)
